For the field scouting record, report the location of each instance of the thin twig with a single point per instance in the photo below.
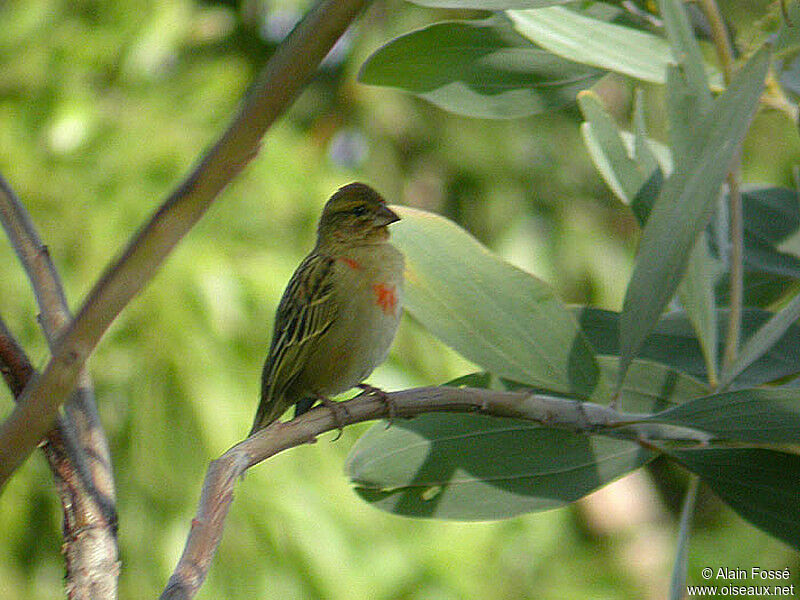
(217, 494)
(719, 34)
(90, 528)
(14, 364)
(283, 77)
(35, 259)
(736, 262)
(78, 450)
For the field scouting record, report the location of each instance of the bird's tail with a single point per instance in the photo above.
(270, 408)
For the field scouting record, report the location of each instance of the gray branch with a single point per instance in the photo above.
(223, 473)
(77, 448)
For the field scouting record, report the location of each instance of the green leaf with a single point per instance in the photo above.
(764, 415)
(764, 339)
(649, 387)
(494, 314)
(646, 196)
(760, 289)
(686, 52)
(682, 113)
(674, 343)
(479, 69)
(628, 162)
(643, 152)
(765, 258)
(472, 467)
(609, 152)
(489, 4)
(481, 379)
(787, 42)
(688, 100)
(771, 215)
(685, 205)
(761, 485)
(594, 42)
(696, 293)
(677, 584)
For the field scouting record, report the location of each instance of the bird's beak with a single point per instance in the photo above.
(385, 216)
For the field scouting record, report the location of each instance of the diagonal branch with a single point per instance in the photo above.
(217, 494)
(77, 450)
(15, 366)
(283, 77)
(90, 531)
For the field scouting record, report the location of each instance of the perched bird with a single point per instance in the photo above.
(340, 311)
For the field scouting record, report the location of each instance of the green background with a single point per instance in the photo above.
(105, 106)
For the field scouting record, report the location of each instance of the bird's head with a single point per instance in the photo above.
(355, 215)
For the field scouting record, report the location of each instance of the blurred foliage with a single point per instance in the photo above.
(103, 108)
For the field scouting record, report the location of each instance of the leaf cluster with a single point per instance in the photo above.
(672, 353)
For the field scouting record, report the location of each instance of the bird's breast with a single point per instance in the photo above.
(370, 300)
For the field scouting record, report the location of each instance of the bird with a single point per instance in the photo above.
(340, 311)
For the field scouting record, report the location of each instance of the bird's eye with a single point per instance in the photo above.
(360, 210)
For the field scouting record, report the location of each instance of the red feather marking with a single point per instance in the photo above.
(350, 263)
(385, 297)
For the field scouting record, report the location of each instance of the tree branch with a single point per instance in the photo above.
(283, 77)
(217, 494)
(77, 449)
(90, 527)
(14, 364)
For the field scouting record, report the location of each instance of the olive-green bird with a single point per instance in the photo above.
(340, 311)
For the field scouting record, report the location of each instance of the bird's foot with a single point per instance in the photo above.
(391, 407)
(336, 411)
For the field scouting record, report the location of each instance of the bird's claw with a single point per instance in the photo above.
(336, 411)
(391, 407)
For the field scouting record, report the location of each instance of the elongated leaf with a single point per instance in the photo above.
(478, 69)
(481, 379)
(682, 112)
(583, 39)
(643, 152)
(673, 342)
(649, 387)
(647, 195)
(771, 214)
(696, 293)
(769, 415)
(609, 152)
(766, 258)
(686, 52)
(685, 205)
(687, 101)
(494, 314)
(760, 289)
(787, 42)
(789, 75)
(761, 485)
(763, 340)
(471, 467)
(677, 584)
(630, 163)
(489, 4)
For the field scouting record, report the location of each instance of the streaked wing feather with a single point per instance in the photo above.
(306, 311)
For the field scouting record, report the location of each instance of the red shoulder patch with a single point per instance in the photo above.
(385, 297)
(350, 263)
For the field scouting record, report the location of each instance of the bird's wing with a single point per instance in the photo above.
(306, 311)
